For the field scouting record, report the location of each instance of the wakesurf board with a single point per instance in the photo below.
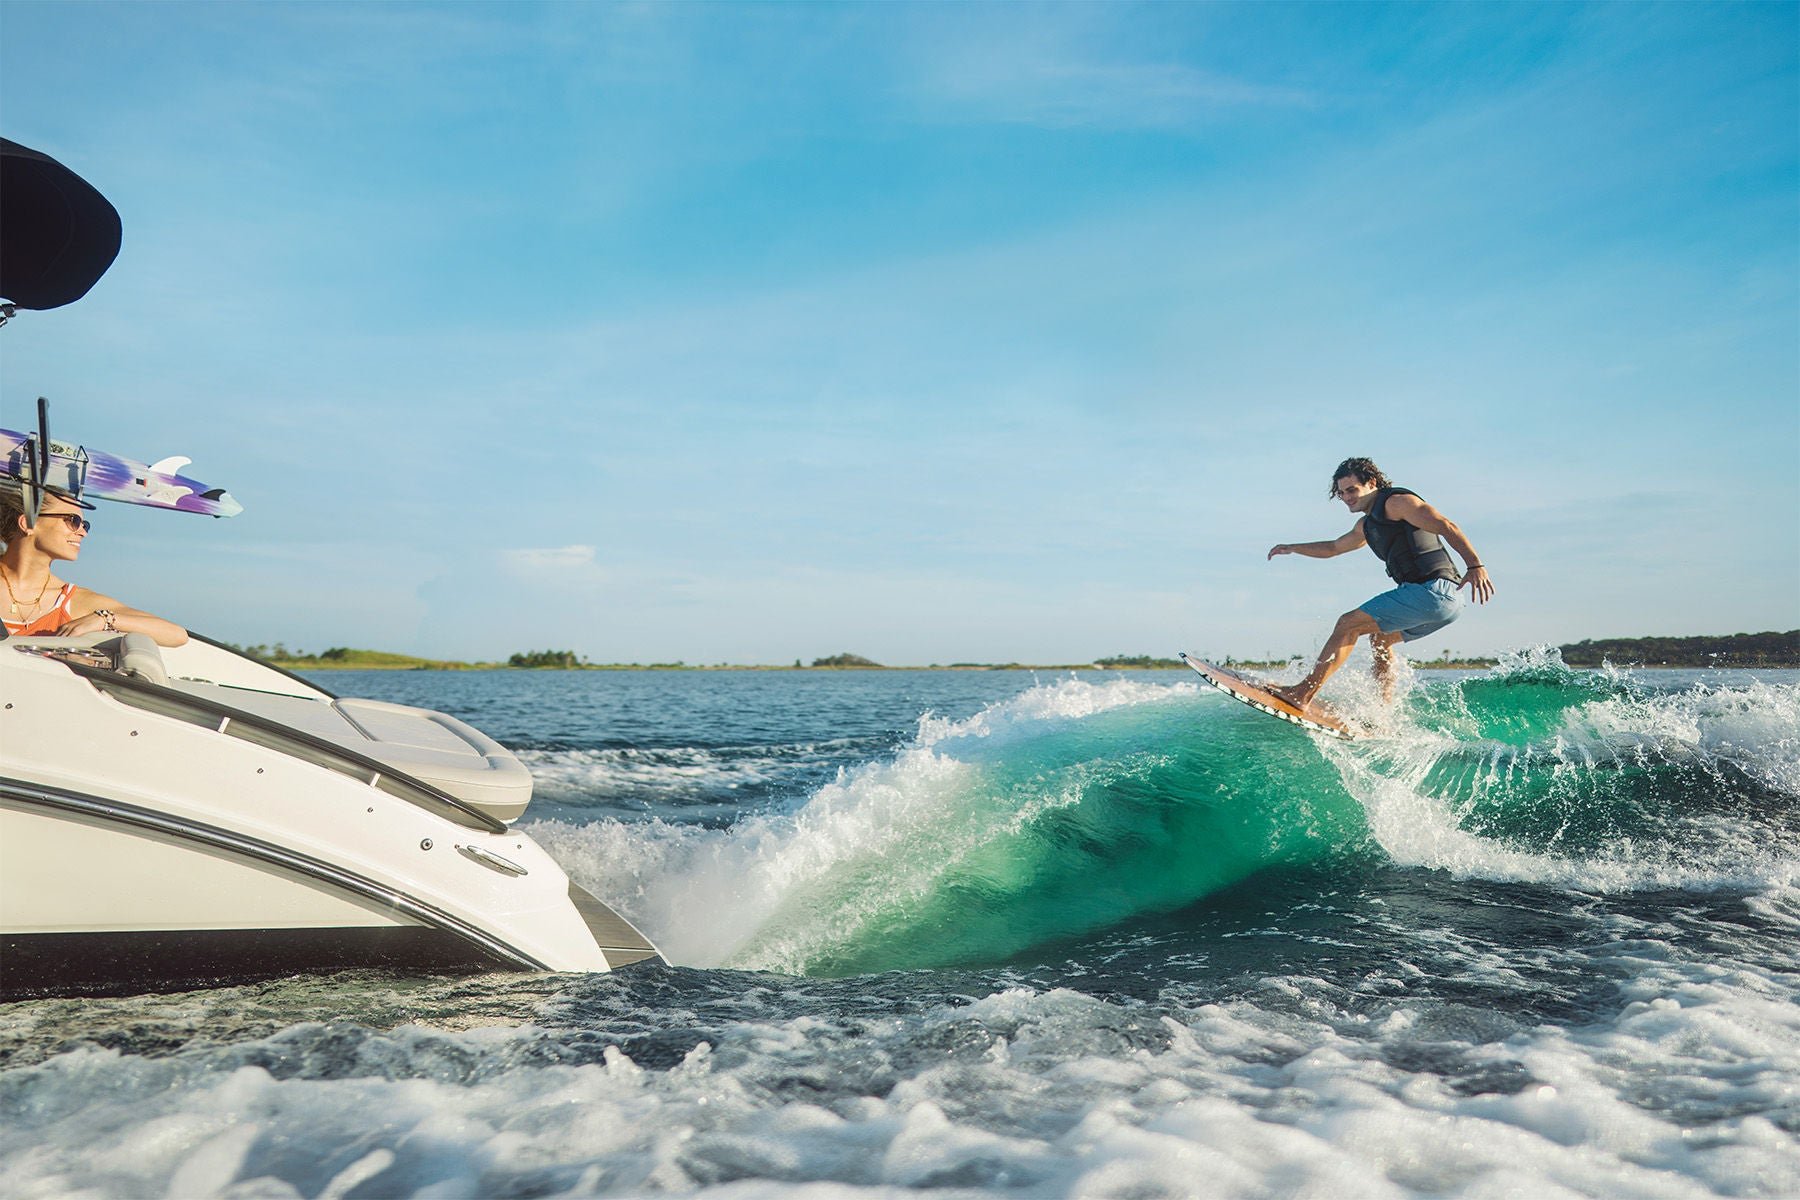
(1314, 716)
(97, 475)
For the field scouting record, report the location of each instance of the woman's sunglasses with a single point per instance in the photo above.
(75, 522)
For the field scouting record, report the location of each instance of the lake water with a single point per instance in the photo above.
(981, 934)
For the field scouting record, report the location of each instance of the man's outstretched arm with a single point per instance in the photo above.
(1421, 515)
(1353, 540)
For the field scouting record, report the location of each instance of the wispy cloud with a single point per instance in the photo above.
(1099, 95)
(1077, 67)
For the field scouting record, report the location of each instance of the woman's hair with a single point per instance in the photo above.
(1363, 470)
(12, 507)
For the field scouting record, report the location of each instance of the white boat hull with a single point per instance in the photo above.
(157, 835)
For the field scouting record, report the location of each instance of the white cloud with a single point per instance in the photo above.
(559, 560)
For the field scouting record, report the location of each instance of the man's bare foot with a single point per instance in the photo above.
(1290, 693)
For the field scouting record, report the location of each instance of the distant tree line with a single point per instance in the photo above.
(1122, 662)
(1731, 650)
(267, 653)
(280, 653)
(555, 659)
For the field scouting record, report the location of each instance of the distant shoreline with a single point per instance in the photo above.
(288, 664)
(383, 661)
(1425, 665)
(1740, 650)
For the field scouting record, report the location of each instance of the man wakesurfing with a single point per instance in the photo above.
(1408, 535)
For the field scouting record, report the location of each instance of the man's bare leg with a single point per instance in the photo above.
(1352, 625)
(1382, 645)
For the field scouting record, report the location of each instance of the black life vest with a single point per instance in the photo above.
(1411, 554)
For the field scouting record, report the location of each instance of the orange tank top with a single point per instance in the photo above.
(49, 621)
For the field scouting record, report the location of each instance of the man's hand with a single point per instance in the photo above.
(1284, 548)
(1479, 585)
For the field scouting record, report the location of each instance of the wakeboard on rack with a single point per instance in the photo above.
(97, 475)
(1314, 716)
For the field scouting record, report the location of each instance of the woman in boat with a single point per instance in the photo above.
(35, 602)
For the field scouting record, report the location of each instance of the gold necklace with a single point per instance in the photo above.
(15, 600)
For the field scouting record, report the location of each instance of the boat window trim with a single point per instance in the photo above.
(299, 679)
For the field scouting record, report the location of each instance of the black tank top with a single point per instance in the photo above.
(1411, 554)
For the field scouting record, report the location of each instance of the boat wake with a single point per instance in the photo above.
(1080, 806)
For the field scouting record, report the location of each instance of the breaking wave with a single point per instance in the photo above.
(1078, 806)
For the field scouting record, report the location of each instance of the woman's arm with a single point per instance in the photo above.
(87, 606)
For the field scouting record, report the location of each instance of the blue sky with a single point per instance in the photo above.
(928, 332)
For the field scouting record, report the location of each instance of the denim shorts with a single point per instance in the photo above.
(1416, 609)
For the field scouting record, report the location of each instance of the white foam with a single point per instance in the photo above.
(1064, 700)
(879, 835)
(1045, 1096)
(1755, 727)
(661, 775)
(630, 866)
(563, 773)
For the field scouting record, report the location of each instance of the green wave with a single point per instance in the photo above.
(1063, 827)
(1029, 825)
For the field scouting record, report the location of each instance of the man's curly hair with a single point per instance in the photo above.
(1363, 470)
